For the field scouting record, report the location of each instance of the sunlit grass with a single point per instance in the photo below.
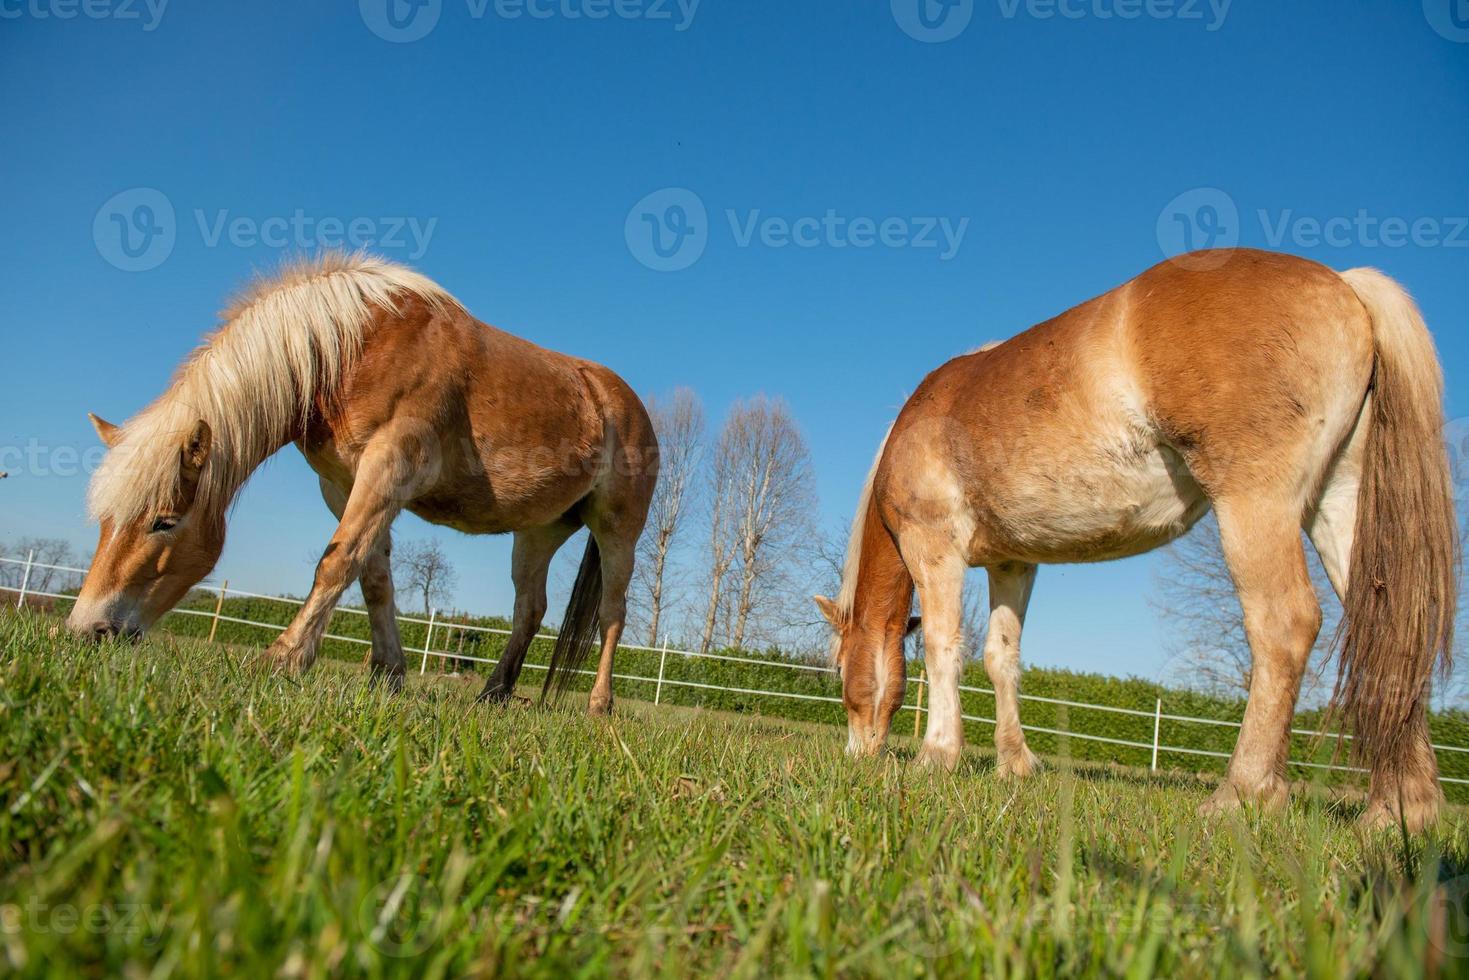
(166, 810)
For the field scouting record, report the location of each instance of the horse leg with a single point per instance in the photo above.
(530, 560)
(617, 562)
(1262, 546)
(940, 585)
(388, 663)
(1010, 587)
(374, 502)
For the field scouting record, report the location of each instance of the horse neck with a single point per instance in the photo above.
(884, 593)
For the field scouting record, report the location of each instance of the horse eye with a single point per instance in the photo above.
(163, 524)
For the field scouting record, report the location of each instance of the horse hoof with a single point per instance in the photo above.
(936, 759)
(1018, 766)
(389, 678)
(1270, 796)
(495, 695)
(599, 707)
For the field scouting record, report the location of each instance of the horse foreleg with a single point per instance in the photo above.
(388, 663)
(366, 518)
(1010, 587)
(940, 585)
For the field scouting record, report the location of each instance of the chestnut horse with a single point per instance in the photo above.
(398, 399)
(1280, 393)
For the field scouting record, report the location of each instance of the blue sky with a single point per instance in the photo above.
(1063, 145)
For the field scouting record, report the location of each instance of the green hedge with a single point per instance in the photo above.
(681, 672)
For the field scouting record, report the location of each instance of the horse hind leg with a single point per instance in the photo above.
(1262, 546)
(530, 561)
(616, 551)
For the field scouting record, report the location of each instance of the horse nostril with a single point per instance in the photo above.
(104, 630)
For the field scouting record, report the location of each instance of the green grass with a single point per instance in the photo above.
(167, 810)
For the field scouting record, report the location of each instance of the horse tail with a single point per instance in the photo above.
(1403, 583)
(578, 635)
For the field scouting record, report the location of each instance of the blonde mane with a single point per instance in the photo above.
(285, 340)
(848, 594)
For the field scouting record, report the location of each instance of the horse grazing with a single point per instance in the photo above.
(398, 399)
(1282, 394)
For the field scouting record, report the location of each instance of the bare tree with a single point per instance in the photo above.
(722, 491)
(679, 423)
(48, 552)
(762, 512)
(422, 568)
(1208, 647)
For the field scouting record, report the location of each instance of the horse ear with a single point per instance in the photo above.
(106, 431)
(196, 450)
(829, 611)
(913, 625)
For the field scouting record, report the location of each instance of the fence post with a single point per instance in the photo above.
(662, 661)
(218, 608)
(1157, 724)
(433, 614)
(25, 579)
(918, 712)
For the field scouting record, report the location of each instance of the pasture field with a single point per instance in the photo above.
(170, 809)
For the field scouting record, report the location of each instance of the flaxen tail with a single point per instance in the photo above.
(578, 636)
(1403, 585)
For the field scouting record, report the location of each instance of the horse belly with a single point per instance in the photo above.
(1111, 504)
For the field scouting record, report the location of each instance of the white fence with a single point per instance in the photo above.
(28, 567)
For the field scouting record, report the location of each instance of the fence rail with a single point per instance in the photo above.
(662, 680)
